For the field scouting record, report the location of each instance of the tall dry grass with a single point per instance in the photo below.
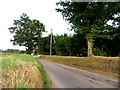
(22, 71)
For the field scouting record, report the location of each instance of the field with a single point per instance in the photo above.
(22, 71)
(107, 66)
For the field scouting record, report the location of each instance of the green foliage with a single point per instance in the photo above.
(78, 45)
(44, 46)
(118, 54)
(61, 46)
(91, 19)
(99, 52)
(110, 47)
(27, 32)
(12, 50)
(88, 17)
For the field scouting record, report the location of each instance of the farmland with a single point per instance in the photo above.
(22, 71)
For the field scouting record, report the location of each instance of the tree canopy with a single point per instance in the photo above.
(91, 19)
(27, 32)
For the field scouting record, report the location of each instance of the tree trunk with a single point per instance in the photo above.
(90, 45)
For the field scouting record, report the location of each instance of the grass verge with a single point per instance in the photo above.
(107, 66)
(22, 71)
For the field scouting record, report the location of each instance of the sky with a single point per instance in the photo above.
(42, 10)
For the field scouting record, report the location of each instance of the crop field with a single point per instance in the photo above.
(108, 66)
(22, 71)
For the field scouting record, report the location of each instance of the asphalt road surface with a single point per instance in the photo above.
(66, 77)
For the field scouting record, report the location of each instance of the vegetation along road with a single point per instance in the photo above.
(21, 71)
(66, 77)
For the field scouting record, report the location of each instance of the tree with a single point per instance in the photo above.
(61, 45)
(78, 45)
(110, 38)
(27, 32)
(107, 47)
(12, 50)
(89, 18)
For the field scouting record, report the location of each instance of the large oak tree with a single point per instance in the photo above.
(27, 32)
(90, 19)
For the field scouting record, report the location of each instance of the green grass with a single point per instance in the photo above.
(107, 66)
(22, 71)
(44, 75)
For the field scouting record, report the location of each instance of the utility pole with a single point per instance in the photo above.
(51, 42)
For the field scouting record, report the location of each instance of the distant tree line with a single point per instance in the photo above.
(76, 45)
(13, 51)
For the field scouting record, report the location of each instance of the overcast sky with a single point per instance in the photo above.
(42, 10)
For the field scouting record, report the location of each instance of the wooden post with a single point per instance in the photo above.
(51, 43)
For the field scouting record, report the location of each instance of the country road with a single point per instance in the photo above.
(66, 77)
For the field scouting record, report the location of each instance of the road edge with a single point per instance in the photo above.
(92, 75)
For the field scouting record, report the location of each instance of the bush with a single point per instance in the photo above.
(99, 52)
